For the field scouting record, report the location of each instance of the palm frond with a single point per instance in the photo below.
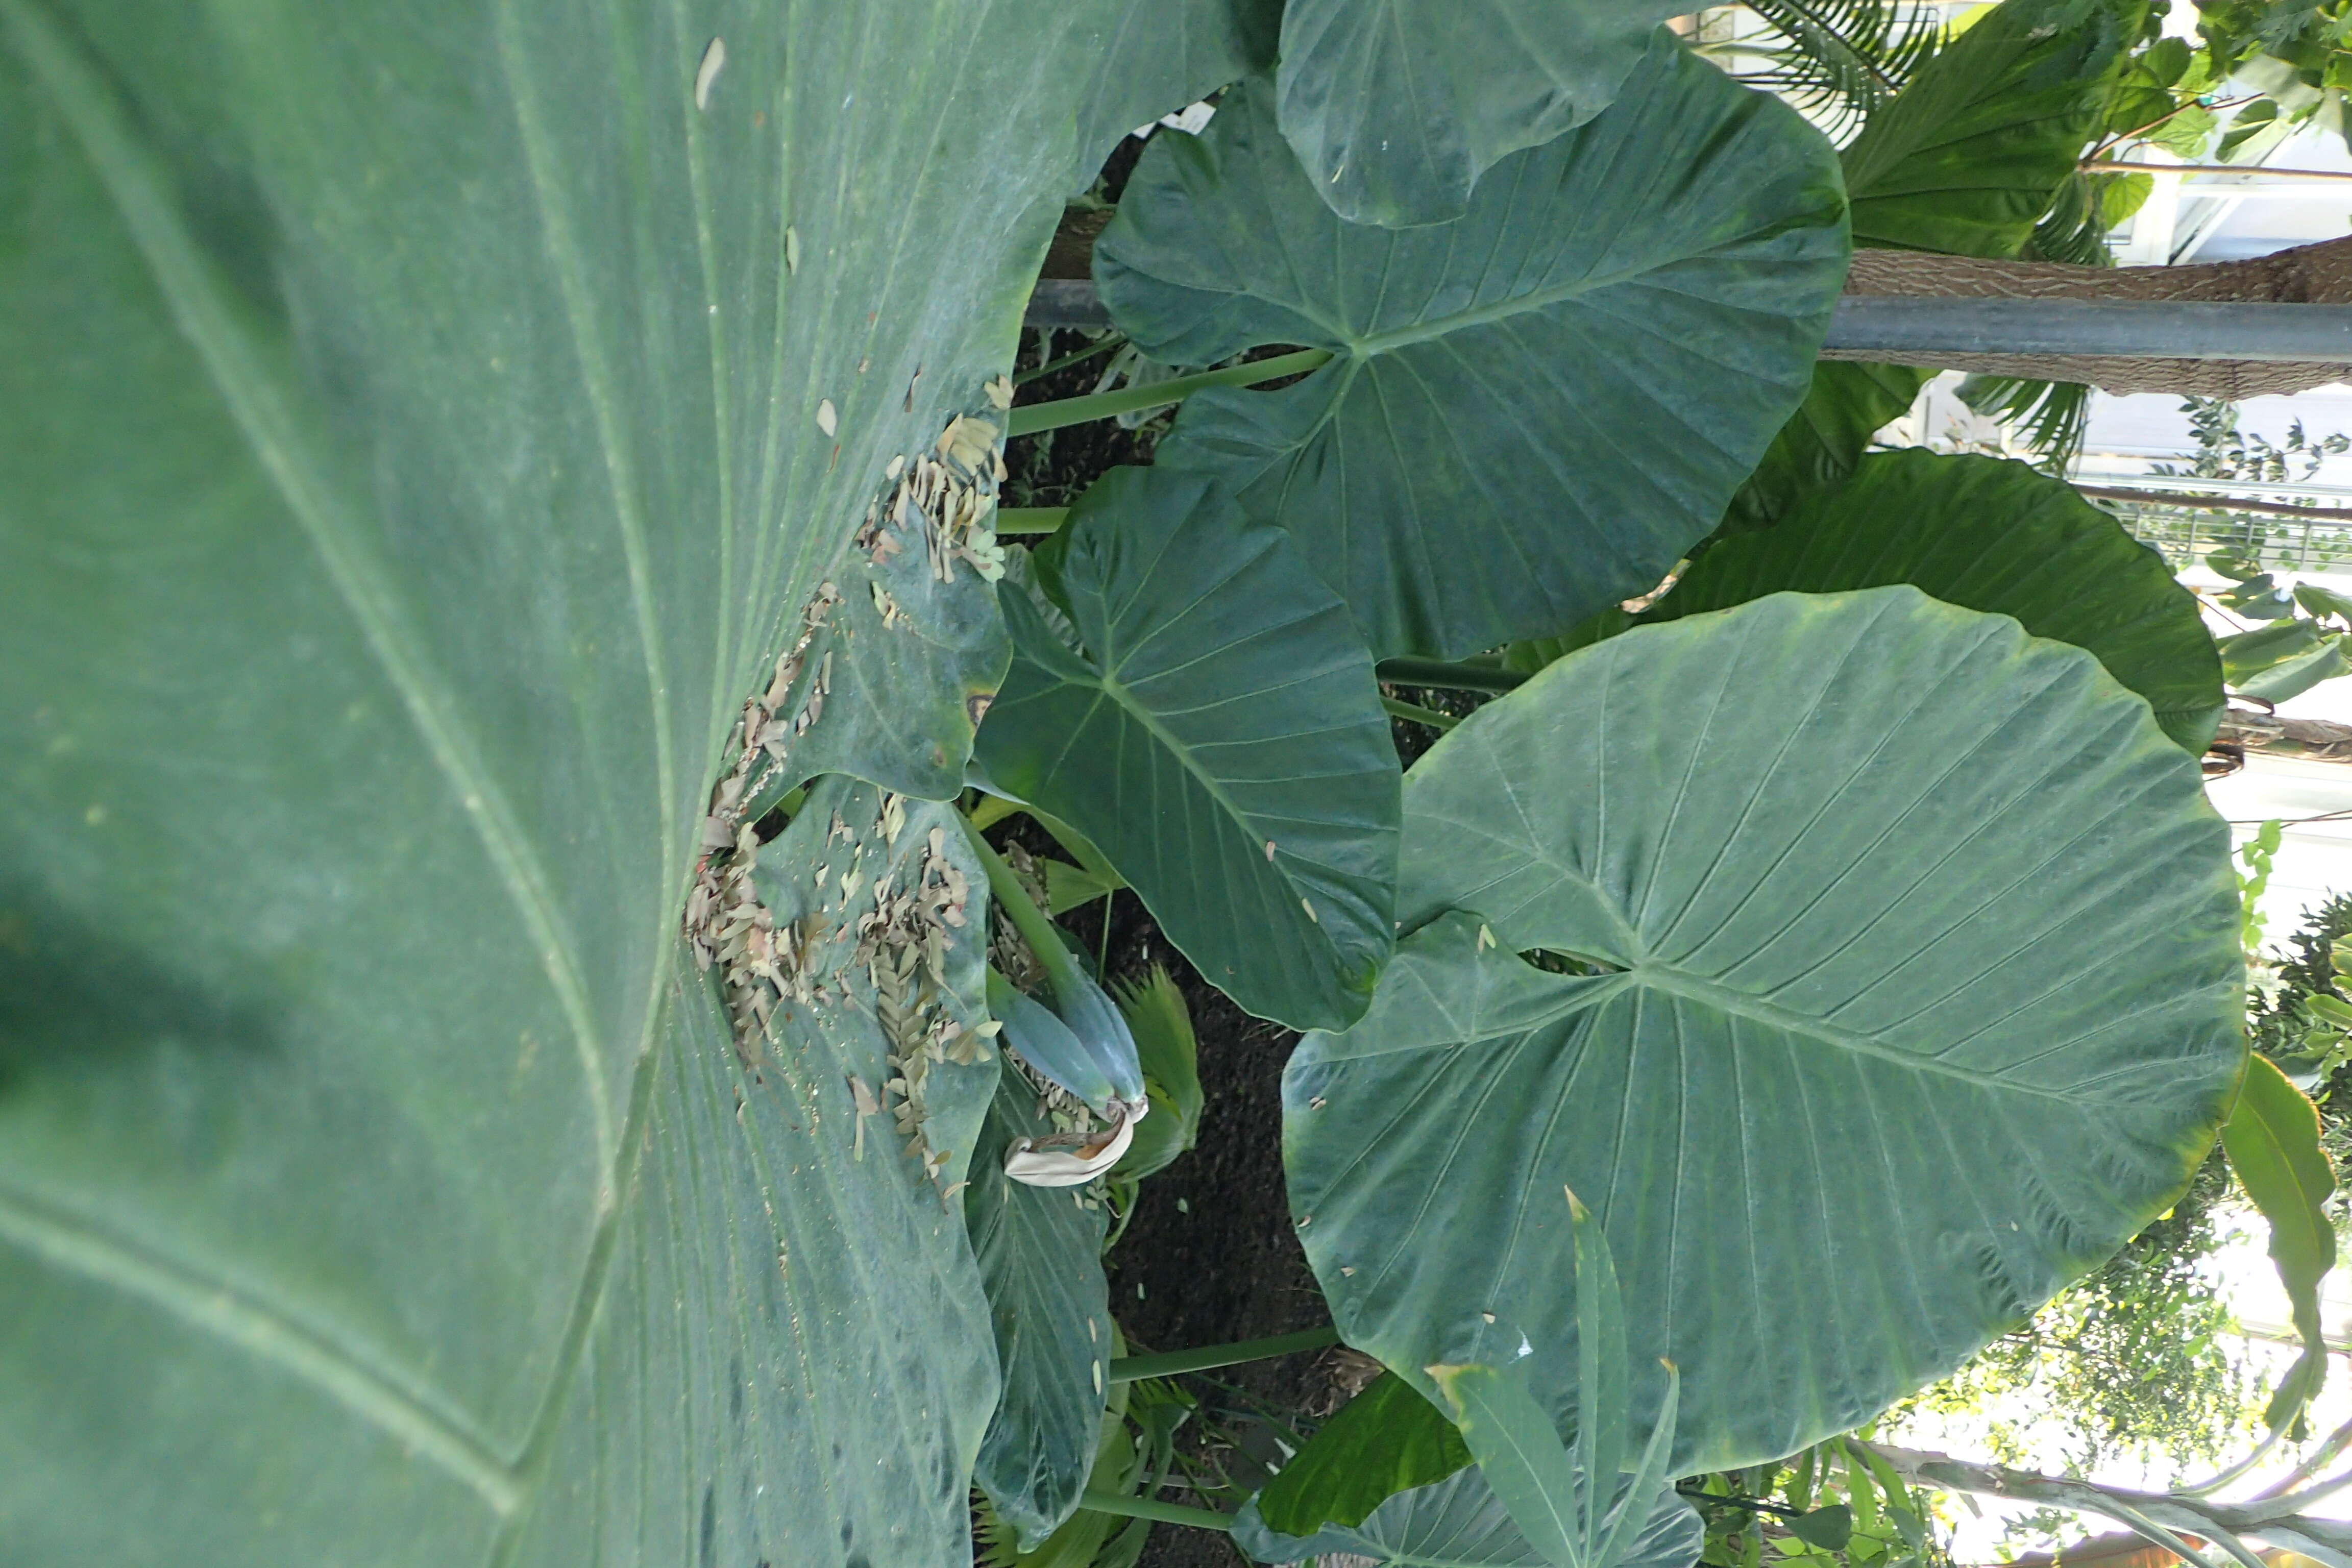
(1841, 59)
(2081, 213)
(2052, 416)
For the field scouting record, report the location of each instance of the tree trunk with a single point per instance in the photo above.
(2318, 274)
(2313, 740)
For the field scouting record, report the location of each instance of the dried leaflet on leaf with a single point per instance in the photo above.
(884, 912)
(945, 500)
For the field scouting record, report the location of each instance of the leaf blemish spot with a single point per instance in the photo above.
(714, 61)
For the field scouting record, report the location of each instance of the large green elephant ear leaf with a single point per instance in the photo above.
(844, 888)
(1396, 107)
(1386, 1440)
(1144, 59)
(2272, 1139)
(1987, 535)
(1847, 405)
(1218, 734)
(1968, 157)
(1040, 1251)
(1854, 926)
(1533, 411)
(427, 427)
(1459, 1522)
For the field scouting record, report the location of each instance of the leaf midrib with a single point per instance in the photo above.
(201, 303)
(1124, 700)
(203, 309)
(73, 1245)
(1367, 345)
(1726, 1000)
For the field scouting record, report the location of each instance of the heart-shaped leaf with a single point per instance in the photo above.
(1396, 107)
(1460, 1523)
(1817, 883)
(1040, 1251)
(2272, 1141)
(1574, 1508)
(1987, 535)
(428, 425)
(1218, 735)
(1386, 1440)
(1968, 156)
(1532, 411)
(1144, 59)
(1847, 405)
(1828, 1528)
(2284, 659)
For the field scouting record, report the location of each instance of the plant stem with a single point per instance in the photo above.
(1030, 518)
(1415, 714)
(2160, 1517)
(1753, 1505)
(1455, 677)
(2117, 141)
(2318, 1459)
(2118, 166)
(1127, 1369)
(1039, 416)
(1035, 928)
(1079, 846)
(993, 809)
(1152, 1508)
(1110, 340)
(2262, 1451)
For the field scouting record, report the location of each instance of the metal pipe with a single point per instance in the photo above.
(1896, 325)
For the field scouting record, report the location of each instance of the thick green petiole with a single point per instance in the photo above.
(1128, 399)
(1414, 713)
(1031, 921)
(1451, 677)
(1204, 1358)
(1030, 518)
(991, 809)
(1113, 340)
(1152, 1508)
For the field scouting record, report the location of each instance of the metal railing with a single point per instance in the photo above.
(2186, 535)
